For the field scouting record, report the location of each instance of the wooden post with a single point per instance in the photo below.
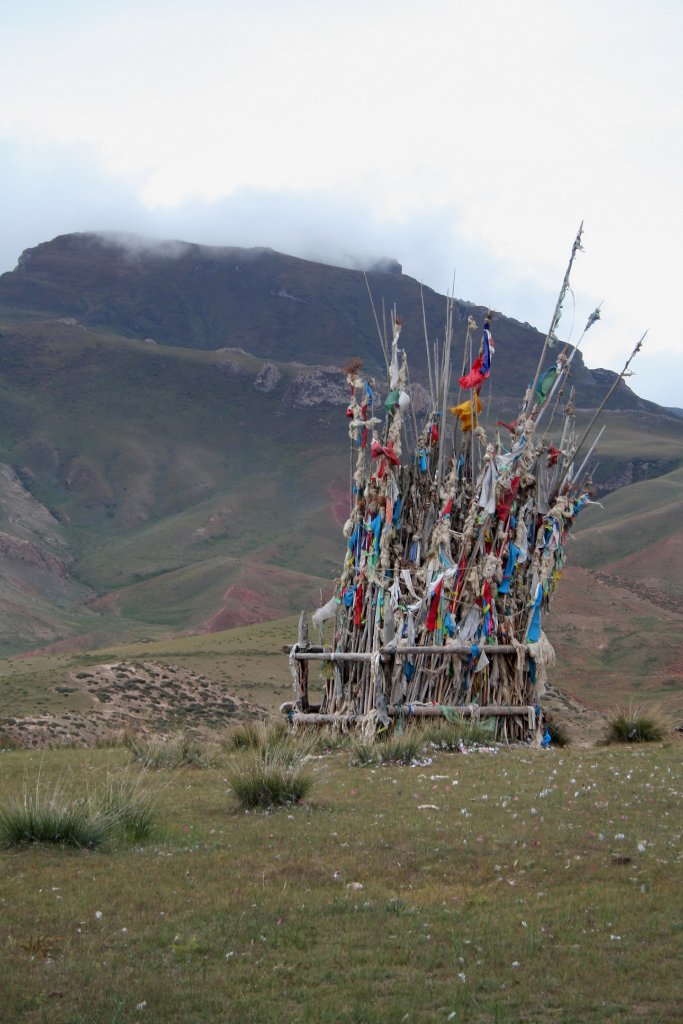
(302, 665)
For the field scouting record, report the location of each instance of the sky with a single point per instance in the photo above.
(466, 140)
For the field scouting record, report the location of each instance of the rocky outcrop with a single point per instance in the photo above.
(632, 471)
(323, 386)
(26, 517)
(268, 377)
(25, 551)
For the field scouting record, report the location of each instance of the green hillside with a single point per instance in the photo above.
(165, 472)
(634, 518)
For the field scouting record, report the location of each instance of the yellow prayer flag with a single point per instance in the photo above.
(465, 413)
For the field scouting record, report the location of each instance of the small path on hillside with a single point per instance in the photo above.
(670, 602)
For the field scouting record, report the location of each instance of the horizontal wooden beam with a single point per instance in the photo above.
(419, 711)
(449, 650)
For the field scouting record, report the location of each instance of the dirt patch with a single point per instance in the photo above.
(660, 598)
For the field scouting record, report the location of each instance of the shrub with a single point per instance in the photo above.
(9, 740)
(274, 776)
(634, 724)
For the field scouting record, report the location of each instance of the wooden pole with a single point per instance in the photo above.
(604, 402)
(556, 315)
(421, 711)
(317, 654)
(302, 667)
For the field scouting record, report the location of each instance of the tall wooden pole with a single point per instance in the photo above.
(556, 316)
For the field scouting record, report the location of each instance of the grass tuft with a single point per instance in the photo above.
(176, 751)
(129, 804)
(401, 748)
(246, 736)
(51, 818)
(409, 745)
(256, 735)
(363, 755)
(445, 734)
(119, 809)
(274, 776)
(635, 724)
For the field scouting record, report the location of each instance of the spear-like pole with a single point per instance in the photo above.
(429, 362)
(556, 315)
(379, 330)
(604, 402)
(446, 375)
(564, 372)
(577, 476)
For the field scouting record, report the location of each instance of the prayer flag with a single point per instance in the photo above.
(481, 367)
(466, 413)
(545, 383)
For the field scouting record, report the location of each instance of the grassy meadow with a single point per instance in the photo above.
(515, 885)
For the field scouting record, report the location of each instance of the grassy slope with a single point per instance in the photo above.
(163, 474)
(614, 646)
(635, 519)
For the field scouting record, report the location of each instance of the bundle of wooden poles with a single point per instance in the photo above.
(454, 548)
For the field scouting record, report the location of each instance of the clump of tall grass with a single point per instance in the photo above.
(635, 724)
(364, 754)
(175, 751)
(447, 734)
(51, 817)
(256, 735)
(401, 747)
(273, 776)
(120, 808)
(129, 803)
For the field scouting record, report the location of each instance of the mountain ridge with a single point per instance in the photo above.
(272, 305)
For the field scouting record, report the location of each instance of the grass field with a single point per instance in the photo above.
(509, 886)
